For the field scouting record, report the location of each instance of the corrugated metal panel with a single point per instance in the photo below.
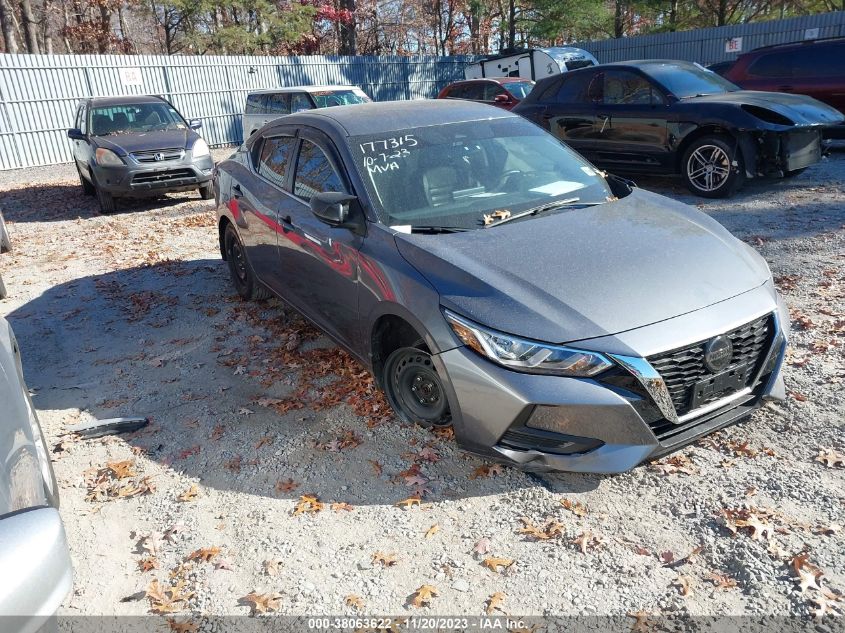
(707, 46)
(39, 93)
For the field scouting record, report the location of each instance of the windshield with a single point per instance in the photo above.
(140, 117)
(689, 80)
(452, 175)
(519, 89)
(328, 98)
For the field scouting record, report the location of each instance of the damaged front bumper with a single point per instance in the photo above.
(771, 154)
(615, 421)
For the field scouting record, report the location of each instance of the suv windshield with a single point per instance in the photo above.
(328, 98)
(689, 80)
(519, 89)
(140, 117)
(452, 175)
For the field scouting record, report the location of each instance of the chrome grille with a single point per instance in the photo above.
(682, 368)
(159, 155)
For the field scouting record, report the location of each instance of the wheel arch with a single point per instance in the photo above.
(389, 332)
(743, 144)
(221, 233)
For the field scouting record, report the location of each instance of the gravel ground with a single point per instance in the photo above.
(254, 413)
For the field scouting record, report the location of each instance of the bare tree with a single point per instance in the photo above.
(8, 27)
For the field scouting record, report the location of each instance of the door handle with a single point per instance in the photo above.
(237, 192)
(605, 118)
(287, 225)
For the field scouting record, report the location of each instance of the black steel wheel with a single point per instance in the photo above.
(712, 167)
(414, 389)
(240, 271)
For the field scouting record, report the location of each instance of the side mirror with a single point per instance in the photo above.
(331, 207)
(195, 124)
(75, 134)
(503, 99)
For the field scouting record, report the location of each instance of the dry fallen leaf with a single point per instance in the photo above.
(550, 529)
(263, 602)
(376, 467)
(184, 626)
(271, 566)
(423, 595)
(575, 507)
(488, 470)
(267, 439)
(122, 470)
(308, 504)
(482, 547)
(205, 554)
(386, 560)
(809, 576)
(683, 585)
(353, 600)
(493, 564)
(494, 601)
(434, 529)
(190, 494)
(722, 581)
(167, 599)
(341, 506)
(409, 502)
(148, 563)
(831, 458)
(588, 540)
(289, 485)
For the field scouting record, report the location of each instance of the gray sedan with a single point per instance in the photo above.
(494, 280)
(34, 558)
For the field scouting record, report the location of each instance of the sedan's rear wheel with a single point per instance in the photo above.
(243, 279)
(712, 167)
(414, 389)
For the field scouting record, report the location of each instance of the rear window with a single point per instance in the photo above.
(520, 89)
(772, 65)
(328, 98)
(575, 64)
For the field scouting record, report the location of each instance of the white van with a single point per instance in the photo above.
(533, 63)
(262, 106)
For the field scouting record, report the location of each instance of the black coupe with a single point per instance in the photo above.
(670, 117)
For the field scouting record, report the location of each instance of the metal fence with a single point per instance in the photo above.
(712, 45)
(38, 93)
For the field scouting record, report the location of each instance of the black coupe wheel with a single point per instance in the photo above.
(712, 167)
(414, 388)
(243, 279)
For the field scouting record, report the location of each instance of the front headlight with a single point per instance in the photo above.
(200, 149)
(525, 355)
(105, 156)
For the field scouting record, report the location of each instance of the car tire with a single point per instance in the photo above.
(106, 201)
(5, 240)
(243, 279)
(207, 191)
(712, 167)
(2, 289)
(414, 389)
(87, 188)
(794, 172)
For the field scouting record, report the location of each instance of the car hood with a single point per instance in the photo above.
(801, 109)
(158, 139)
(588, 272)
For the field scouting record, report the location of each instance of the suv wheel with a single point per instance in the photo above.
(708, 167)
(5, 241)
(207, 191)
(414, 388)
(243, 279)
(87, 188)
(105, 200)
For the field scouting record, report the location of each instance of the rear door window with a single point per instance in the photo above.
(315, 173)
(474, 92)
(300, 101)
(772, 65)
(255, 104)
(491, 90)
(818, 60)
(278, 103)
(574, 89)
(622, 87)
(275, 156)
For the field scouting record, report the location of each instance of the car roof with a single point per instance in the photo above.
(498, 80)
(300, 89)
(792, 45)
(125, 100)
(388, 116)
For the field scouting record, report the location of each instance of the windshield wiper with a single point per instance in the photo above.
(438, 229)
(549, 206)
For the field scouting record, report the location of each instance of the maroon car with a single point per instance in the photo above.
(815, 68)
(504, 92)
